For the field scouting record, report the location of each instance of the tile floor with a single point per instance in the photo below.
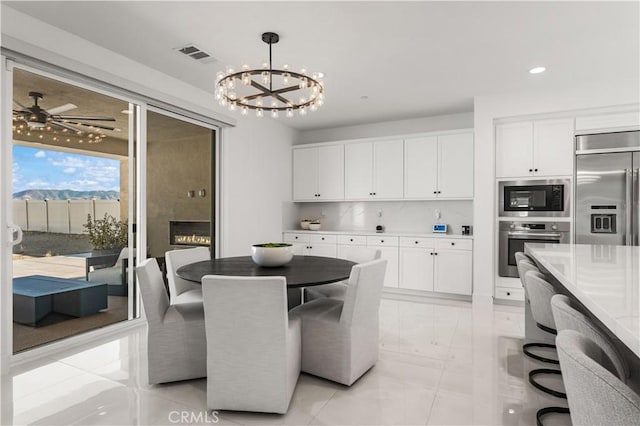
(440, 363)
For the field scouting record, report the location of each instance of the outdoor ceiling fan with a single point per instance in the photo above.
(36, 117)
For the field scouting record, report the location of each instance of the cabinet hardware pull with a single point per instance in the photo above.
(382, 241)
(508, 294)
(322, 238)
(530, 170)
(416, 242)
(453, 244)
(435, 192)
(435, 254)
(535, 170)
(351, 239)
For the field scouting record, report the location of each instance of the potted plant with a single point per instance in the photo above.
(107, 234)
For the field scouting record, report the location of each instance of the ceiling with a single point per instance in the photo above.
(383, 60)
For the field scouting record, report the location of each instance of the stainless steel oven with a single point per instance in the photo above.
(514, 235)
(535, 198)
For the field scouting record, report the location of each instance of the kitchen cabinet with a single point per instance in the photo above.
(374, 170)
(535, 148)
(439, 167)
(388, 247)
(312, 245)
(318, 173)
(440, 265)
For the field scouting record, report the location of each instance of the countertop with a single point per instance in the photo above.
(604, 278)
(377, 234)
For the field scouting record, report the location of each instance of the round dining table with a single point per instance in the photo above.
(302, 271)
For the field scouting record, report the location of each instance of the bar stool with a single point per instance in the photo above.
(540, 293)
(596, 395)
(525, 264)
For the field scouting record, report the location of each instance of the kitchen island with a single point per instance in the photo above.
(603, 278)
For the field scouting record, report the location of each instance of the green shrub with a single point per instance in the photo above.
(107, 233)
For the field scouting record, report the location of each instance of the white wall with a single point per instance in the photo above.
(489, 108)
(389, 128)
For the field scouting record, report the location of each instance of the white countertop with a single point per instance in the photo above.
(390, 234)
(604, 278)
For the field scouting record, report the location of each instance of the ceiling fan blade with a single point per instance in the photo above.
(80, 117)
(97, 126)
(65, 126)
(19, 104)
(61, 108)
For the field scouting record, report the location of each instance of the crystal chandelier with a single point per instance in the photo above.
(268, 90)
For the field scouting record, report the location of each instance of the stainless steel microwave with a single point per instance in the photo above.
(535, 198)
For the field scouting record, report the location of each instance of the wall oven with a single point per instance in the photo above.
(535, 198)
(514, 235)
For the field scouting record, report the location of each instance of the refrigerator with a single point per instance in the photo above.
(606, 188)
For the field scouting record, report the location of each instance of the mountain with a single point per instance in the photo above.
(65, 194)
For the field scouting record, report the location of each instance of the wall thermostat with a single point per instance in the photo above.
(440, 228)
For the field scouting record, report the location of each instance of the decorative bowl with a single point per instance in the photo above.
(314, 226)
(304, 224)
(272, 254)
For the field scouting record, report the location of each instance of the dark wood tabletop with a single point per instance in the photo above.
(302, 271)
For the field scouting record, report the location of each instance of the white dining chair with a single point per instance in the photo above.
(176, 344)
(339, 290)
(340, 339)
(253, 346)
(181, 290)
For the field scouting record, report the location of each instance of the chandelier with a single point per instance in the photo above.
(269, 90)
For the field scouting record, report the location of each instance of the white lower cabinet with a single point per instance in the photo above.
(442, 265)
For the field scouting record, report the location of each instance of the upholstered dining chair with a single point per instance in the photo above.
(253, 345)
(181, 290)
(340, 338)
(115, 276)
(176, 345)
(597, 395)
(339, 290)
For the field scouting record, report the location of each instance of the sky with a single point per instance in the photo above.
(35, 168)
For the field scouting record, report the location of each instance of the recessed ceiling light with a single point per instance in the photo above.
(537, 70)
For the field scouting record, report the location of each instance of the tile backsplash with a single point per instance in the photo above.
(397, 216)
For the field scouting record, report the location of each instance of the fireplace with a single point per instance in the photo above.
(190, 233)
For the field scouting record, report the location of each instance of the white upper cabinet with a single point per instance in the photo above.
(455, 166)
(439, 167)
(373, 170)
(421, 167)
(318, 173)
(535, 148)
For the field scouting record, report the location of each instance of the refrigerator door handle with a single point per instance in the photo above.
(628, 189)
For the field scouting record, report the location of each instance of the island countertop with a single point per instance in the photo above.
(604, 278)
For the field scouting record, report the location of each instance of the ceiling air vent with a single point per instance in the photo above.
(196, 53)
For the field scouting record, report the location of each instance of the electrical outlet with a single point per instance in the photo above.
(379, 213)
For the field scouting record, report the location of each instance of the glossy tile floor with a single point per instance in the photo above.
(440, 363)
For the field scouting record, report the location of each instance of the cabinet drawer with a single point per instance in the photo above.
(324, 239)
(292, 237)
(356, 240)
(417, 242)
(516, 294)
(454, 244)
(382, 241)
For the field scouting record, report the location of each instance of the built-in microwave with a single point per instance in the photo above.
(532, 198)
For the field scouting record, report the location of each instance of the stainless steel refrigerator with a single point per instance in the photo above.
(606, 188)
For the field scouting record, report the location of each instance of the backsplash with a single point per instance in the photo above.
(397, 216)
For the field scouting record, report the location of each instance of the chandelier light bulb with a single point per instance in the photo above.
(244, 111)
(259, 102)
(274, 113)
(313, 107)
(259, 113)
(302, 110)
(290, 112)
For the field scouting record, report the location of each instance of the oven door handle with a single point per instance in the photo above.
(537, 235)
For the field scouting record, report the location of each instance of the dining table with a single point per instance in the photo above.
(302, 271)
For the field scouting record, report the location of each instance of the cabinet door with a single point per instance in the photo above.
(421, 168)
(391, 275)
(553, 147)
(305, 174)
(455, 166)
(358, 171)
(453, 271)
(324, 250)
(416, 269)
(331, 172)
(348, 252)
(388, 164)
(300, 249)
(514, 149)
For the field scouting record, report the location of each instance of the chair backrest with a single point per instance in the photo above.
(540, 293)
(520, 255)
(124, 254)
(595, 395)
(245, 319)
(362, 254)
(154, 295)
(362, 301)
(524, 266)
(567, 317)
(178, 258)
